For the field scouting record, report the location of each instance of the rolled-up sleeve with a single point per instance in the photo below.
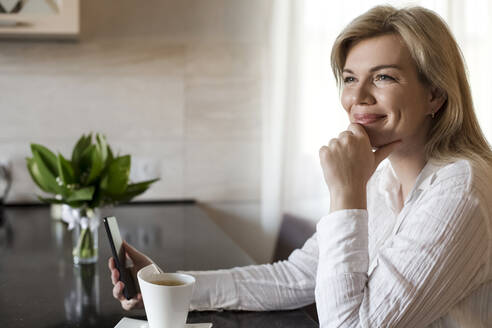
(436, 258)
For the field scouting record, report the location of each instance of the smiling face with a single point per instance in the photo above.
(382, 92)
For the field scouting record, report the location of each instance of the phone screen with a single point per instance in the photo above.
(118, 251)
(117, 241)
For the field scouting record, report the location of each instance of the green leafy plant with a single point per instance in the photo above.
(91, 178)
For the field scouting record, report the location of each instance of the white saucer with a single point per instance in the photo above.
(134, 323)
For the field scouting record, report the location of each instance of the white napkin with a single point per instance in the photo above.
(134, 323)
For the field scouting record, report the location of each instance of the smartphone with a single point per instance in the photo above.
(116, 244)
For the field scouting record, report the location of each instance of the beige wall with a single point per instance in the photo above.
(176, 84)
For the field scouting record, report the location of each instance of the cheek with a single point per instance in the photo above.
(394, 102)
(346, 99)
(390, 100)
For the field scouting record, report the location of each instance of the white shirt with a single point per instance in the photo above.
(421, 263)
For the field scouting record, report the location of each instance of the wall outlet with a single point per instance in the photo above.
(145, 168)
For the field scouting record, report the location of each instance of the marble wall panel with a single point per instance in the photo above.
(115, 57)
(223, 122)
(223, 60)
(222, 109)
(59, 107)
(224, 170)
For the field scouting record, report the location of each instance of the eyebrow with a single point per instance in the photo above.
(375, 68)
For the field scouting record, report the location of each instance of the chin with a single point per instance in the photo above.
(379, 139)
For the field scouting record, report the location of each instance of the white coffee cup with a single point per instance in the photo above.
(165, 306)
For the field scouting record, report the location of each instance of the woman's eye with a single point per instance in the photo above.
(348, 79)
(384, 77)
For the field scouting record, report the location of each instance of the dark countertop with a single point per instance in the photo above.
(41, 287)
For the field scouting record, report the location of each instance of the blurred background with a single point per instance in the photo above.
(228, 101)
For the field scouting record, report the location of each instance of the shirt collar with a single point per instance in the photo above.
(389, 185)
(389, 180)
(427, 176)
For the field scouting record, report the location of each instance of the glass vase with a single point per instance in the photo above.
(85, 235)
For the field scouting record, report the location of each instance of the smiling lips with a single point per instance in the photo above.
(367, 118)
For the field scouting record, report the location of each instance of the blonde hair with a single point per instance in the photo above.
(455, 132)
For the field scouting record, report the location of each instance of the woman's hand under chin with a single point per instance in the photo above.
(348, 162)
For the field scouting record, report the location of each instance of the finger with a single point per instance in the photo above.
(138, 258)
(115, 276)
(346, 136)
(127, 305)
(345, 133)
(358, 130)
(111, 263)
(130, 249)
(130, 304)
(385, 151)
(333, 143)
(131, 252)
(118, 291)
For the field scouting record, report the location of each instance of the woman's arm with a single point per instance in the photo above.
(282, 285)
(436, 259)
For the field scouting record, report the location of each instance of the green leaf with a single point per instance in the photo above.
(97, 164)
(116, 179)
(83, 142)
(43, 173)
(109, 160)
(81, 194)
(103, 146)
(85, 162)
(97, 198)
(140, 186)
(35, 174)
(134, 189)
(48, 158)
(90, 165)
(78, 150)
(66, 170)
(110, 156)
(50, 200)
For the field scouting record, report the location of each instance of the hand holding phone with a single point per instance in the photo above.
(116, 244)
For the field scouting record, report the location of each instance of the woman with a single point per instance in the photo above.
(408, 244)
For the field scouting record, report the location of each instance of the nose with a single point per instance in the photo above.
(361, 95)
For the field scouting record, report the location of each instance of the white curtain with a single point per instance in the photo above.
(302, 110)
